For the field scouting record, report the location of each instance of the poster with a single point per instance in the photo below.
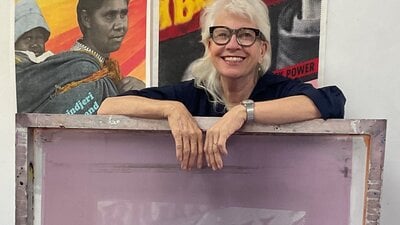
(157, 53)
(89, 47)
(295, 37)
(61, 17)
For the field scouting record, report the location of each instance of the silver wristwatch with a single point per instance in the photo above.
(249, 105)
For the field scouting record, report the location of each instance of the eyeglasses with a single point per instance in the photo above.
(245, 36)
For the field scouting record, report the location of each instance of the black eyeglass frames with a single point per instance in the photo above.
(245, 36)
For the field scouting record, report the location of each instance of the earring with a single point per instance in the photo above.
(259, 70)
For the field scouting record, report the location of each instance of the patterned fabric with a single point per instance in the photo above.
(80, 47)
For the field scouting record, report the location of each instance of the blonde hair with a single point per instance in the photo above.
(204, 72)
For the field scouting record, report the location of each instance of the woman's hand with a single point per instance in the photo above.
(187, 135)
(218, 134)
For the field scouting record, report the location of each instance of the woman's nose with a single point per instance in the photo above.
(120, 23)
(233, 43)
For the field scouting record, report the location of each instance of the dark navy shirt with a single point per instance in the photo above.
(329, 100)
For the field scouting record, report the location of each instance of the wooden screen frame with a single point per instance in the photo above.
(373, 133)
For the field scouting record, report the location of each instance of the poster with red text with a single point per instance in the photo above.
(295, 38)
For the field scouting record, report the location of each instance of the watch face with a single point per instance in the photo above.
(247, 102)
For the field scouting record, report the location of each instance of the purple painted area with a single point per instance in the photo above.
(122, 177)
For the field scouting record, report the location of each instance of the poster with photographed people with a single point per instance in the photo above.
(296, 33)
(72, 54)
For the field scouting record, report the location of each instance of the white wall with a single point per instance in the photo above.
(362, 54)
(363, 58)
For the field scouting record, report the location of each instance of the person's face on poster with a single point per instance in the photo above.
(108, 26)
(33, 41)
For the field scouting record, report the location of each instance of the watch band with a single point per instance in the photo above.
(249, 105)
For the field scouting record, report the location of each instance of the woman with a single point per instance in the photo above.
(231, 82)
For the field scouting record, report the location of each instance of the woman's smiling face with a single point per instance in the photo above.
(232, 60)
